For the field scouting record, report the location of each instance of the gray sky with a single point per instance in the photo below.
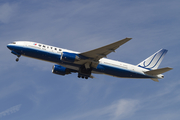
(28, 89)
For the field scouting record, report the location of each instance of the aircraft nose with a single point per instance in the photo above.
(9, 46)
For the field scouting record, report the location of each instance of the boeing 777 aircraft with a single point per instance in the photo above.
(93, 61)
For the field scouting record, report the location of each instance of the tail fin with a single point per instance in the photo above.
(154, 60)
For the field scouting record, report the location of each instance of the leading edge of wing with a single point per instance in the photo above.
(101, 52)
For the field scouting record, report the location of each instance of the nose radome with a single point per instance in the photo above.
(9, 46)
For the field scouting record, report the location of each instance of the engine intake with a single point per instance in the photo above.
(60, 70)
(69, 57)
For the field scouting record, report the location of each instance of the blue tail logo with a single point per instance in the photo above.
(154, 60)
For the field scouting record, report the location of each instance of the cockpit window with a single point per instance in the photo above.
(13, 43)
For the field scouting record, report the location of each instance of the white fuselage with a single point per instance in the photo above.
(105, 66)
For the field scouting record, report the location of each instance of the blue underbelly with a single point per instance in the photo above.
(101, 68)
(119, 72)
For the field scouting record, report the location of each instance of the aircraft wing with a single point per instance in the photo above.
(101, 52)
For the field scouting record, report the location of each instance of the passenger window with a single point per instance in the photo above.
(51, 47)
(55, 48)
(39, 45)
(44, 46)
(59, 49)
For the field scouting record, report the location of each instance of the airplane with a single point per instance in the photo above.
(93, 61)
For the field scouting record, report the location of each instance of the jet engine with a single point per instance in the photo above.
(69, 57)
(60, 70)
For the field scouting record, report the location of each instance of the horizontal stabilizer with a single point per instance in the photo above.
(158, 71)
(92, 77)
(155, 79)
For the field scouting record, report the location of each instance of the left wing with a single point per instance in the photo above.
(96, 54)
(101, 52)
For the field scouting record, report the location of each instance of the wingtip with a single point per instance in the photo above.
(128, 38)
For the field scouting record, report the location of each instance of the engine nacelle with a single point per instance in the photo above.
(69, 57)
(60, 70)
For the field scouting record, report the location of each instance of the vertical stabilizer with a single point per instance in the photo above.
(154, 60)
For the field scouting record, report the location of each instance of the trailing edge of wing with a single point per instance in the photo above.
(101, 52)
(158, 71)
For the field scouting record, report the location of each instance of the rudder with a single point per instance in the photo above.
(154, 60)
